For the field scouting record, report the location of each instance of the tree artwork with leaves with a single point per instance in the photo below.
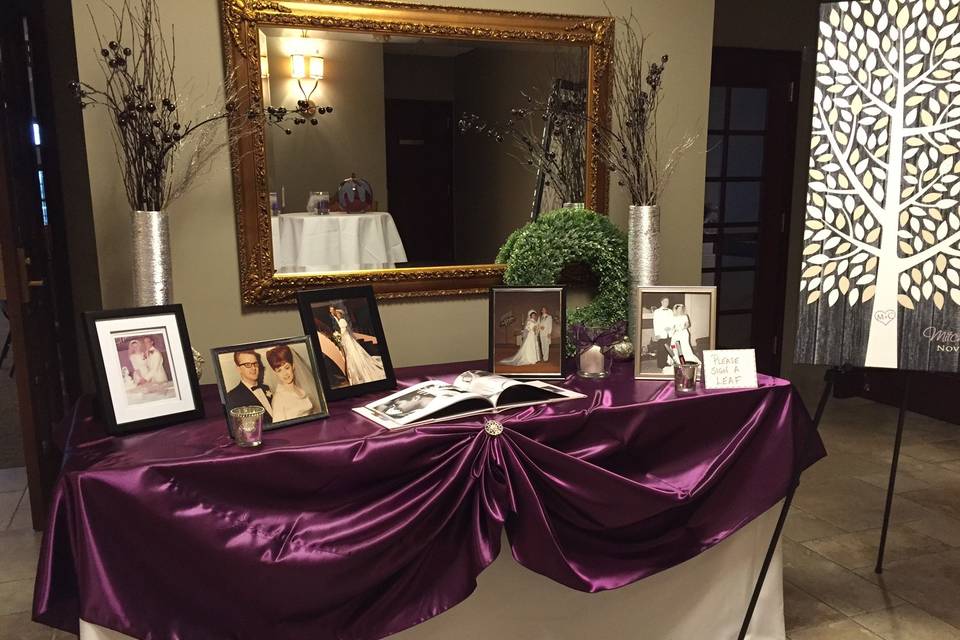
(882, 223)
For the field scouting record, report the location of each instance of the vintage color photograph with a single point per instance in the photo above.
(349, 340)
(526, 331)
(144, 366)
(677, 324)
(279, 375)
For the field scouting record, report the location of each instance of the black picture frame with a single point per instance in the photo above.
(494, 324)
(113, 423)
(269, 425)
(330, 373)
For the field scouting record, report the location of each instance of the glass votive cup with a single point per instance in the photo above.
(594, 362)
(247, 425)
(685, 377)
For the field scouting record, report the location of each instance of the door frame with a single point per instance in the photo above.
(38, 269)
(735, 67)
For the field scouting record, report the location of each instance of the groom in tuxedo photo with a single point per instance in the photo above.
(662, 328)
(251, 391)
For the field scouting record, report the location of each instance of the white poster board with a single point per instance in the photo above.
(880, 279)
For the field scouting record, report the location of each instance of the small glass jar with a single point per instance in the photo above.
(318, 203)
(594, 362)
(685, 378)
(247, 425)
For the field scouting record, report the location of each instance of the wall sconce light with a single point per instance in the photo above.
(303, 67)
(316, 67)
(306, 67)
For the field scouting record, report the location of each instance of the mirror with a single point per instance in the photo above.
(419, 143)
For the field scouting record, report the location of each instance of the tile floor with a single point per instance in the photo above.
(830, 590)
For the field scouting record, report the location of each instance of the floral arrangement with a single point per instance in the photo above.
(149, 125)
(628, 145)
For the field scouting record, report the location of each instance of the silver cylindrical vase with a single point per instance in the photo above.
(152, 277)
(643, 247)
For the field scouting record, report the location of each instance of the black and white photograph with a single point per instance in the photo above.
(144, 367)
(676, 324)
(526, 331)
(345, 328)
(279, 375)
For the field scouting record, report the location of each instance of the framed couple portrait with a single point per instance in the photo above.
(347, 335)
(526, 331)
(279, 375)
(144, 368)
(675, 324)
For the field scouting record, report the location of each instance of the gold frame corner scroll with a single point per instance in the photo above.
(240, 20)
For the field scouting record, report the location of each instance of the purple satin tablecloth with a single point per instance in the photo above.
(340, 529)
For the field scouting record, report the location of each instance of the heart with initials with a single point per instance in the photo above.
(885, 317)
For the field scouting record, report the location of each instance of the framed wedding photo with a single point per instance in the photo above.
(526, 331)
(675, 324)
(144, 368)
(347, 335)
(279, 375)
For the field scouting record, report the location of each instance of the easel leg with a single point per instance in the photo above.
(795, 481)
(893, 473)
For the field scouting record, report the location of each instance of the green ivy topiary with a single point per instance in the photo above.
(537, 253)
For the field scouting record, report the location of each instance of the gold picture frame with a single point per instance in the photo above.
(241, 19)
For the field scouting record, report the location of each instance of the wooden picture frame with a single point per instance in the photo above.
(503, 320)
(154, 386)
(338, 355)
(306, 380)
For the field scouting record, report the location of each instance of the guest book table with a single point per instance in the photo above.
(338, 529)
(309, 243)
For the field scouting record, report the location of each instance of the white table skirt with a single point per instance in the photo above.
(704, 598)
(307, 243)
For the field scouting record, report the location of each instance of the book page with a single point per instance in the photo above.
(423, 400)
(483, 383)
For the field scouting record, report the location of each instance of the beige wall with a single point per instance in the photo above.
(204, 243)
(351, 140)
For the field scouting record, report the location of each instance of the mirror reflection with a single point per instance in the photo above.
(391, 177)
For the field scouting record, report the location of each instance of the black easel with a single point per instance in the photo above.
(830, 380)
(893, 471)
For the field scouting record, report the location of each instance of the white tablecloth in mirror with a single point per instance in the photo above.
(306, 243)
(703, 598)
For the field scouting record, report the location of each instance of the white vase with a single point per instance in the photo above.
(152, 278)
(643, 252)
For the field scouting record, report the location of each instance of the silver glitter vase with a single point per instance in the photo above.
(643, 247)
(152, 278)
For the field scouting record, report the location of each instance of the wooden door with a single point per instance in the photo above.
(34, 246)
(420, 178)
(750, 156)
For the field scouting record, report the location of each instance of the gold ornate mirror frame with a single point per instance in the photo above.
(241, 19)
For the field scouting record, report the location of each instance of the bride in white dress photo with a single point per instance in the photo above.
(681, 333)
(361, 366)
(529, 352)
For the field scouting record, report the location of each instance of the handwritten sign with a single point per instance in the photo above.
(730, 369)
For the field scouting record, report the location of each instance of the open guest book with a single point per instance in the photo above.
(472, 393)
